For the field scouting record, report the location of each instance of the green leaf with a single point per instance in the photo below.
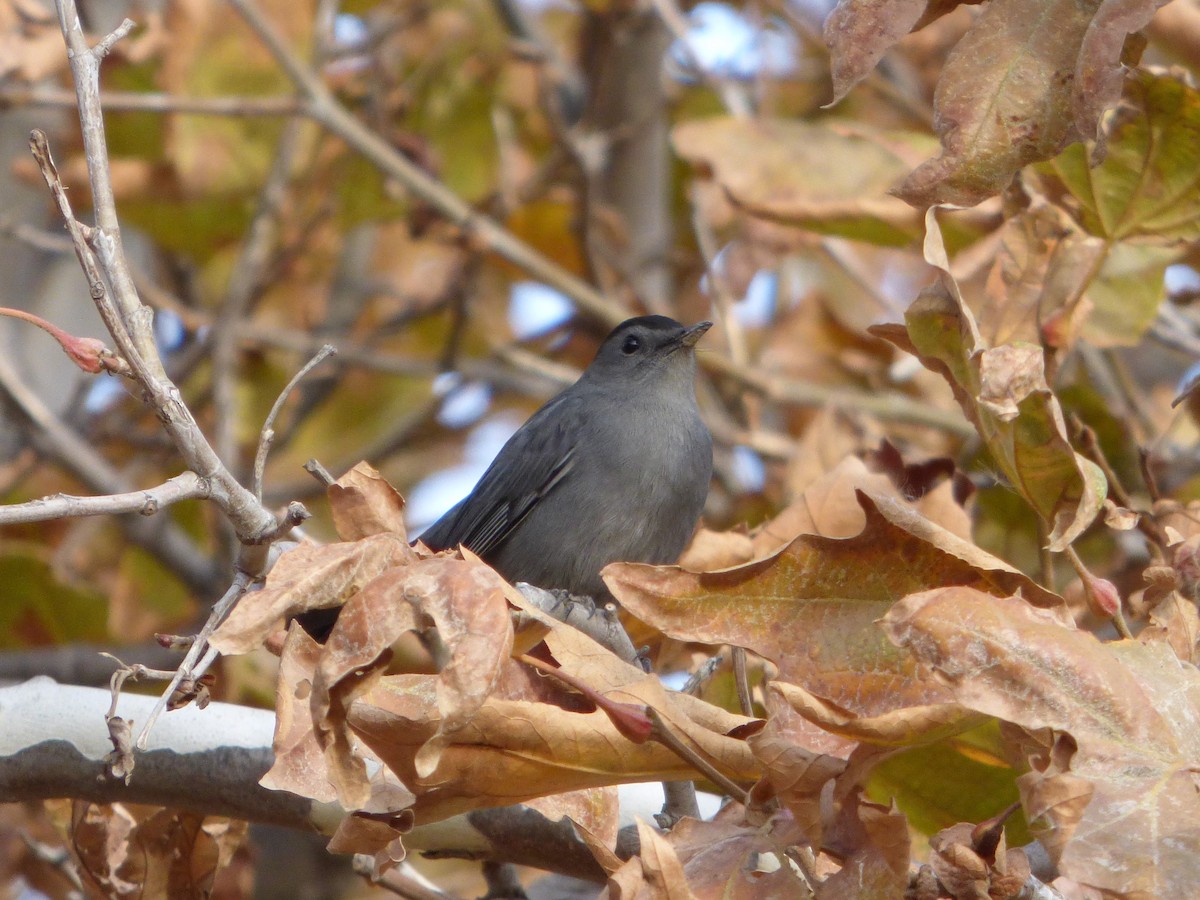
(1148, 185)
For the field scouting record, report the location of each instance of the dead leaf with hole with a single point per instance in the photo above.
(305, 578)
(720, 858)
(465, 601)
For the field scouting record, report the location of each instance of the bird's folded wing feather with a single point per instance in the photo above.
(530, 465)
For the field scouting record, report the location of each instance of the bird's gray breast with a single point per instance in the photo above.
(639, 476)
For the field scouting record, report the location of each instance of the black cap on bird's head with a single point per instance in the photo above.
(648, 344)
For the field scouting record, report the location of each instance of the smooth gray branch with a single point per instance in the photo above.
(147, 502)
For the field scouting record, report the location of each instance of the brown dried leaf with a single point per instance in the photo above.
(797, 774)
(1003, 391)
(970, 875)
(717, 550)
(1115, 796)
(1099, 74)
(378, 826)
(859, 32)
(364, 504)
(830, 508)
(465, 600)
(126, 850)
(298, 759)
(595, 810)
(1003, 100)
(722, 858)
(654, 874)
(308, 577)
(877, 846)
(511, 751)
(897, 727)
(811, 608)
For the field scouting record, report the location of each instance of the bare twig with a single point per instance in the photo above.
(679, 800)
(268, 430)
(402, 881)
(314, 468)
(166, 541)
(14, 95)
(147, 502)
(198, 649)
(664, 735)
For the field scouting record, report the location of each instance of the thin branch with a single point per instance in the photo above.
(885, 406)
(199, 648)
(16, 95)
(665, 736)
(166, 541)
(147, 502)
(741, 678)
(268, 430)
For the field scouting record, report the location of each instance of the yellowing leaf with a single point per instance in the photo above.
(1003, 391)
(1123, 786)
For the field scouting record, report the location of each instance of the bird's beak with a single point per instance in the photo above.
(690, 337)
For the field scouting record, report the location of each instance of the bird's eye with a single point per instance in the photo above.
(631, 346)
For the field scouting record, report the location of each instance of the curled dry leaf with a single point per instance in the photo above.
(363, 504)
(858, 34)
(967, 872)
(897, 727)
(797, 775)
(830, 507)
(308, 577)
(379, 825)
(811, 607)
(465, 600)
(1003, 391)
(298, 764)
(1113, 795)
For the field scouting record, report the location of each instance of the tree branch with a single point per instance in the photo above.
(54, 743)
(187, 486)
(127, 319)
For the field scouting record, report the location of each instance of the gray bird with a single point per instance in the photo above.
(616, 467)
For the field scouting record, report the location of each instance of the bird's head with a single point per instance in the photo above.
(648, 348)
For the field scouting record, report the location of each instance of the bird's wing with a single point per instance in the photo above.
(534, 460)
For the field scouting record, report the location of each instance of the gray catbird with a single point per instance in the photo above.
(616, 467)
